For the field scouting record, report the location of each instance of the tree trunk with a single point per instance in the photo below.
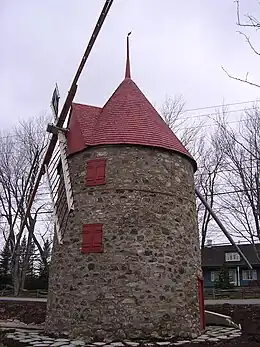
(16, 272)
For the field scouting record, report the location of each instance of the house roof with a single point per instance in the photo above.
(126, 118)
(214, 256)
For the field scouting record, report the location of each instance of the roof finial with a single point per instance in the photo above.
(127, 68)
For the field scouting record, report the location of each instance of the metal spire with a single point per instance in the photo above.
(127, 68)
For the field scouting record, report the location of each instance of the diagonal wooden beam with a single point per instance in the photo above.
(219, 223)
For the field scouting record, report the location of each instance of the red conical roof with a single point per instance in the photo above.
(127, 118)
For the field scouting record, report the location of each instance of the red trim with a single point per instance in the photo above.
(75, 139)
(201, 303)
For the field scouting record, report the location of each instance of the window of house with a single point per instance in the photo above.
(249, 275)
(214, 276)
(232, 256)
(232, 275)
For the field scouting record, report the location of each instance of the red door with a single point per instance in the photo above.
(201, 302)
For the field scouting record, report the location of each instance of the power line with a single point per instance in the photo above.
(216, 113)
(184, 111)
(222, 105)
(236, 171)
(235, 191)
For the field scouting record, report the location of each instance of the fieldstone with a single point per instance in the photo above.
(179, 343)
(204, 336)
(62, 340)
(35, 342)
(222, 337)
(214, 334)
(33, 334)
(134, 344)
(163, 343)
(41, 345)
(194, 336)
(77, 342)
(58, 344)
(36, 337)
(117, 344)
(155, 334)
(99, 343)
(213, 339)
(21, 337)
(129, 301)
(21, 330)
(19, 334)
(10, 336)
(229, 337)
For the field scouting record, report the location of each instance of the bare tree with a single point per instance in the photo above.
(206, 152)
(189, 132)
(241, 202)
(250, 22)
(172, 109)
(21, 151)
(208, 178)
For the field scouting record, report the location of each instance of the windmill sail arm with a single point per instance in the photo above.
(219, 223)
(45, 161)
(63, 114)
(60, 122)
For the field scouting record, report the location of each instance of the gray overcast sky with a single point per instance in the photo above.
(177, 47)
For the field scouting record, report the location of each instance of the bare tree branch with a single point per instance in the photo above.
(249, 42)
(245, 80)
(253, 22)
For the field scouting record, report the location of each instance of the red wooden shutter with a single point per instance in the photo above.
(96, 172)
(92, 238)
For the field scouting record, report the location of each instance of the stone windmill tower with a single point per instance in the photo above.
(127, 263)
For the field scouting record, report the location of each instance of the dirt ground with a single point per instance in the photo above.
(27, 312)
(248, 316)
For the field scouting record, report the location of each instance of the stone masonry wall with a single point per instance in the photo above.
(145, 282)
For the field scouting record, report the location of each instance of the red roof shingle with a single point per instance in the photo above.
(127, 118)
